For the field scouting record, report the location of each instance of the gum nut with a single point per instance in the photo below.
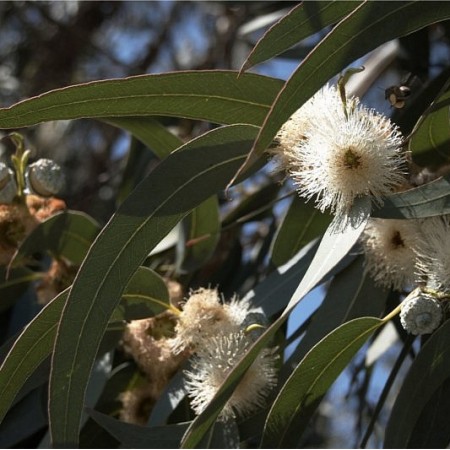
(421, 314)
(8, 186)
(45, 177)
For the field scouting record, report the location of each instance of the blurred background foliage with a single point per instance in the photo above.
(48, 45)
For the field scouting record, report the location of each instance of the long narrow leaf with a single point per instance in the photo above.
(302, 21)
(216, 96)
(181, 182)
(309, 382)
(368, 26)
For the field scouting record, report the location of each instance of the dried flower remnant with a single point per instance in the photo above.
(388, 246)
(345, 152)
(433, 254)
(137, 403)
(421, 313)
(213, 362)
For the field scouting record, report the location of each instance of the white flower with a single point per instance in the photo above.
(213, 363)
(204, 316)
(389, 251)
(339, 156)
(433, 262)
(420, 313)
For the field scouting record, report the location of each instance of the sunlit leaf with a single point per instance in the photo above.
(216, 96)
(311, 379)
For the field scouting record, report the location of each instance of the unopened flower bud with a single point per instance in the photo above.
(8, 186)
(45, 177)
(421, 314)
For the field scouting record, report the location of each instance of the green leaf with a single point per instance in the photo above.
(216, 96)
(431, 199)
(68, 234)
(181, 182)
(428, 372)
(430, 140)
(351, 294)
(301, 224)
(135, 436)
(14, 283)
(368, 26)
(150, 132)
(302, 21)
(145, 296)
(31, 348)
(311, 379)
(201, 233)
(334, 246)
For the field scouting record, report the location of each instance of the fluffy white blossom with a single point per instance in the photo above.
(389, 251)
(420, 313)
(433, 262)
(335, 155)
(204, 316)
(214, 361)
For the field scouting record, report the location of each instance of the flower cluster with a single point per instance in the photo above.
(218, 335)
(336, 152)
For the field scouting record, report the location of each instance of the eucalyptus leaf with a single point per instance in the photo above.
(302, 223)
(68, 234)
(428, 372)
(31, 348)
(181, 182)
(430, 199)
(216, 96)
(311, 379)
(135, 436)
(302, 21)
(369, 25)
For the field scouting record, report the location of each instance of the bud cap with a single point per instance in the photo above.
(45, 177)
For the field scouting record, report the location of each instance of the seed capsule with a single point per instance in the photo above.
(421, 314)
(8, 186)
(45, 177)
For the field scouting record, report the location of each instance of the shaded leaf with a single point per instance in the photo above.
(311, 379)
(180, 183)
(428, 372)
(31, 348)
(431, 199)
(135, 436)
(68, 234)
(302, 21)
(145, 296)
(430, 140)
(216, 96)
(15, 284)
(333, 247)
(301, 224)
(368, 26)
(351, 294)
(201, 233)
(150, 132)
